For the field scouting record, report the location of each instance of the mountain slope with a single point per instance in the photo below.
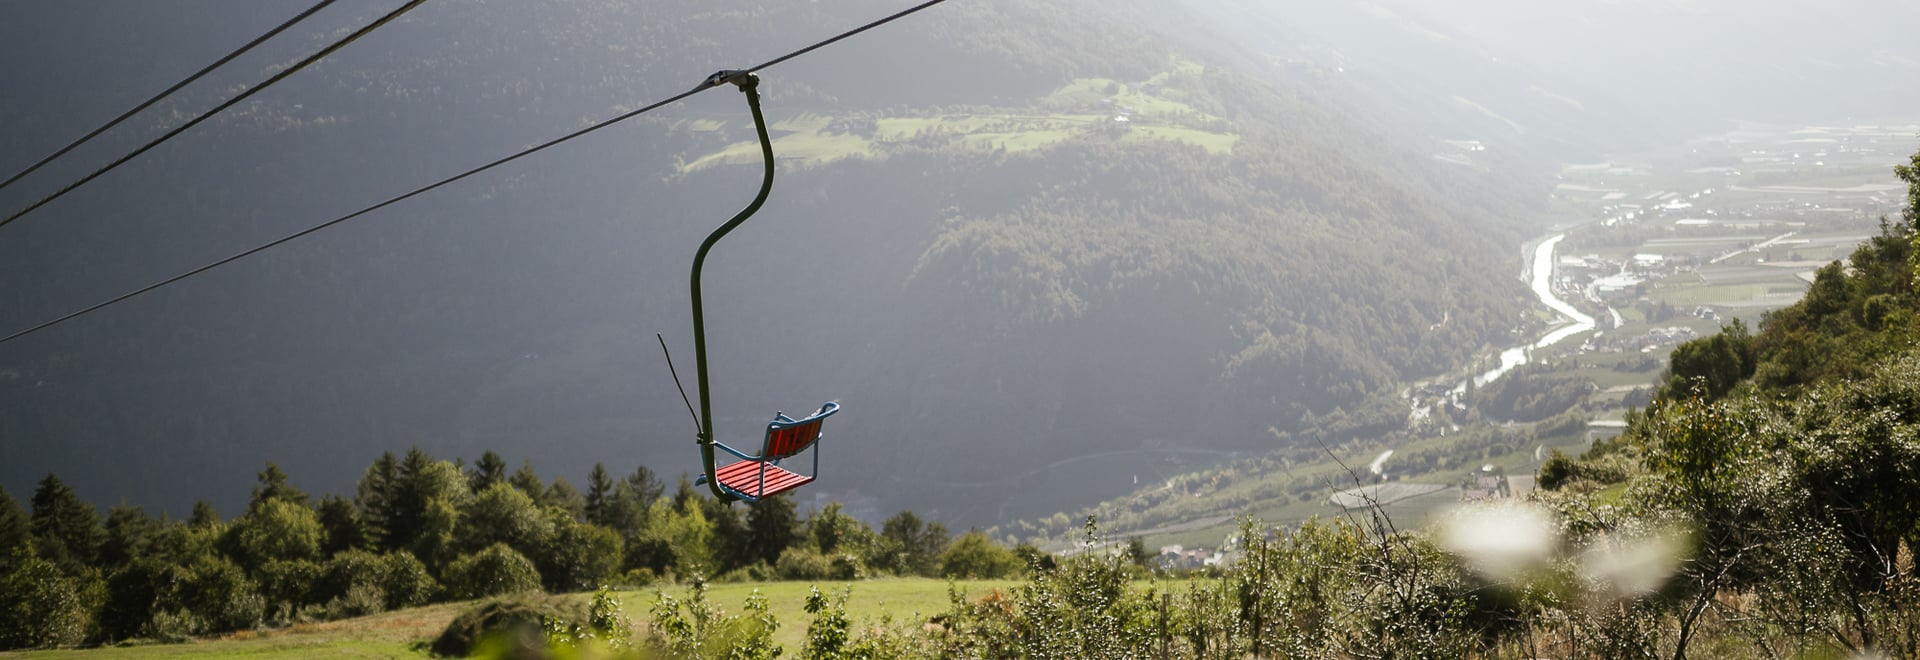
(988, 268)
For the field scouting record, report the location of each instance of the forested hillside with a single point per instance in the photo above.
(1060, 235)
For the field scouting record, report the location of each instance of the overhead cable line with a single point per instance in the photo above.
(168, 92)
(329, 50)
(712, 81)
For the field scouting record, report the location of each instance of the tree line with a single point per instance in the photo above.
(419, 530)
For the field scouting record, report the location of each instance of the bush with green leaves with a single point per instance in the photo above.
(694, 628)
(357, 582)
(830, 632)
(803, 563)
(494, 571)
(577, 556)
(288, 585)
(405, 581)
(503, 514)
(345, 571)
(172, 626)
(42, 607)
(1083, 608)
(754, 572)
(974, 556)
(276, 530)
(507, 624)
(133, 597)
(361, 599)
(606, 628)
(219, 593)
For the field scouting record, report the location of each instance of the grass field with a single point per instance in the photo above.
(901, 601)
(1085, 106)
(386, 635)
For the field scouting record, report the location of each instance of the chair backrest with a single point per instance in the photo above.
(787, 436)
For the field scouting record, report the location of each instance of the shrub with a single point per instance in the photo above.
(406, 581)
(755, 572)
(637, 578)
(172, 626)
(1556, 471)
(800, 563)
(828, 633)
(132, 597)
(359, 600)
(847, 566)
(219, 593)
(607, 626)
(697, 629)
(503, 514)
(652, 553)
(290, 582)
(578, 556)
(491, 572)
(974, 555)
(42, 607)
(515, 623)
(353, 568)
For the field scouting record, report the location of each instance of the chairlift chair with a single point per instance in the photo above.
(755, 476)
(759, 476)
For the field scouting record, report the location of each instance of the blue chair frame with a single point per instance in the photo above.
(774, 447)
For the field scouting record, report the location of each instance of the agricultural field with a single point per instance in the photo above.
(1129, 112)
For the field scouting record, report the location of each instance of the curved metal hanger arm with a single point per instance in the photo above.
(749, 84)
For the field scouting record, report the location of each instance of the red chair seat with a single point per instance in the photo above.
(744, 476)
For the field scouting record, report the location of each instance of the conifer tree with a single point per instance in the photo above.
(685, 494)
(424, 488)
(562, 494)
(341, 522)
(645, 486)
(374, 497)
(273, 486)
(633, 498)
(129, 534)
(529, 482)
(67, 530)
(203, 515)
(487, 471)
(599, 496)
(15, 528)
(407, 501)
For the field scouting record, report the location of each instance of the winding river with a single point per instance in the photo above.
(1540, 272)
